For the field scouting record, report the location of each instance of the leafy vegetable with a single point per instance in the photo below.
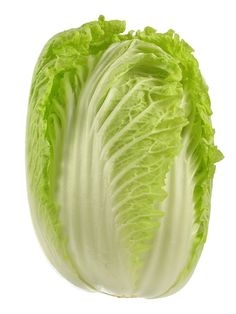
(120, 158)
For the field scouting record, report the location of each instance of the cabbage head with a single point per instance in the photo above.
(120, 158)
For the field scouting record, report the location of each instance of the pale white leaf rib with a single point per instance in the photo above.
(172, 245)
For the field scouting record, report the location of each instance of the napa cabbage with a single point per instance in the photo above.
(120, 158)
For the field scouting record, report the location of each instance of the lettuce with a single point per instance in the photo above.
(120, 158)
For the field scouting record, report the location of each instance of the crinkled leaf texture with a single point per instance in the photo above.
(120, 158)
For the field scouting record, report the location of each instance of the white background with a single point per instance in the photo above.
(28, 283)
